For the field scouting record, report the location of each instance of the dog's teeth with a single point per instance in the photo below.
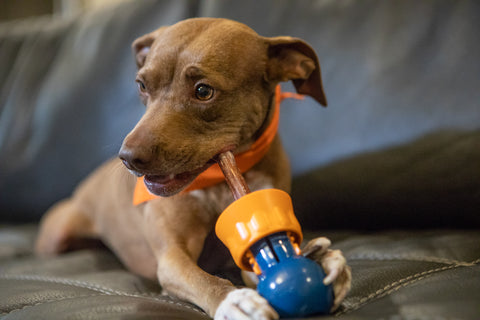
(171, 176)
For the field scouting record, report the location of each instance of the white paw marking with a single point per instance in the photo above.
(245, 304)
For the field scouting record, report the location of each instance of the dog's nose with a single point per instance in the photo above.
(134, 159)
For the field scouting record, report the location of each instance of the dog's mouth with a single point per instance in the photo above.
(167, 185)
(171, 184)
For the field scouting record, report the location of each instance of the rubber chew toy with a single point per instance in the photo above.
(263, 235)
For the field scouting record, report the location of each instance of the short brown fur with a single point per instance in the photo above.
(163, 239)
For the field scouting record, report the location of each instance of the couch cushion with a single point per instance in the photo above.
(393, 71)
(397, 274)
(432, 182)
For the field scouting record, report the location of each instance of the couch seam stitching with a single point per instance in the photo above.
(397, 285)
(26, 306)
(97, 288)
(410, 258)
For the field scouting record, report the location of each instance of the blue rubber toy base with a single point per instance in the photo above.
(292, 284)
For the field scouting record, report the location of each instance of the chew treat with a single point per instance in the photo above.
(233, 176)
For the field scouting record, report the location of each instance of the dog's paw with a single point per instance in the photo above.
(335, 266)
(245, 304)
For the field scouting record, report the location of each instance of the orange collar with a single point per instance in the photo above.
(245, 160)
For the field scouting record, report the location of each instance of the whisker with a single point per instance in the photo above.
(112, 147)
(125, 177)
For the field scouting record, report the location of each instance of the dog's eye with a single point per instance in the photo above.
(203, 92)
(141, 86)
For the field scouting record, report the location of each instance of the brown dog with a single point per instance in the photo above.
(208, 86)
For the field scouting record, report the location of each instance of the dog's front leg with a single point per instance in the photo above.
(177, 240)
(180, 276)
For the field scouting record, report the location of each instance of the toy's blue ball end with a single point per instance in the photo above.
(295, 287)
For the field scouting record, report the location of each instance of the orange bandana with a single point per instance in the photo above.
(245, 160)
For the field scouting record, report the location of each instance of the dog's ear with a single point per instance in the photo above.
(293, 59)
(141, 46)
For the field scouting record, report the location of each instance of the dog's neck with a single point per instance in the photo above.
(271, 109)
(245, 159)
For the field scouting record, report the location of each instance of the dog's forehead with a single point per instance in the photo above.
(208, 39)
(209, 27)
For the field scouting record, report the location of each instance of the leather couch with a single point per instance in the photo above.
(390, 171)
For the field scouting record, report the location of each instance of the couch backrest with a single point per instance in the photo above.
(393, 71)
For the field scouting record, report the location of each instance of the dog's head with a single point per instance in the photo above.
(208, 86)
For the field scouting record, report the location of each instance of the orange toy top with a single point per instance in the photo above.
(253, 217)
(246, 160)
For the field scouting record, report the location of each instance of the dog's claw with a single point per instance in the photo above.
(316, 247)
(245, 304)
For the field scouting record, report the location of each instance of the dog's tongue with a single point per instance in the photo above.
(162, 179)
(168, 185)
